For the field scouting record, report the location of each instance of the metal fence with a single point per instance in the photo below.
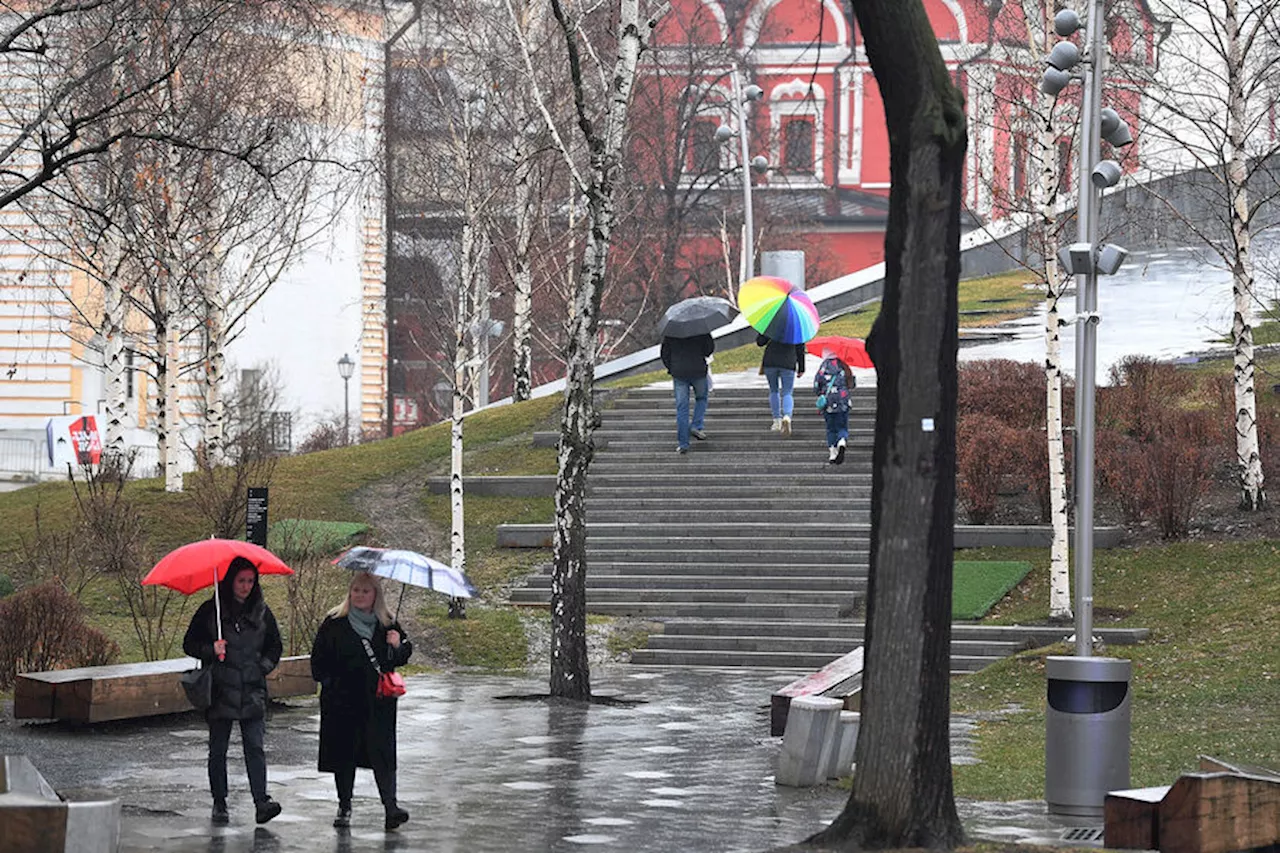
(27, 460)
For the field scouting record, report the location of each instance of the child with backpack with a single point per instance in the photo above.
(832, 384)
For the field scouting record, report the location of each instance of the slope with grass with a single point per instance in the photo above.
(1208, 680)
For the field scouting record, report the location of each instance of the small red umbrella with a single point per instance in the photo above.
(852, 351)
(201, 564)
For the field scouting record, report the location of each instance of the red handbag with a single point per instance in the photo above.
(390, 684)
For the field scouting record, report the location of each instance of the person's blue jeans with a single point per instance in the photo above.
(682, 388)
(837, 427)
(781, 384)
(253, 735)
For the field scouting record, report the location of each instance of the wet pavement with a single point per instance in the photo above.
(1165, 304)
(685, 765)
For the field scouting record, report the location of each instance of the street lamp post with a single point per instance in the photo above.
(1088, 715)
(345, 368)
(1086, 259)
(741, 97)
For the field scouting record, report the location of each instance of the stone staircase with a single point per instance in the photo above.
(751, 550)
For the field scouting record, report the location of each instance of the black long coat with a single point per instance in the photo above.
(357, 729)
(253, 650)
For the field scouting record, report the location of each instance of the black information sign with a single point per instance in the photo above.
(255, 526)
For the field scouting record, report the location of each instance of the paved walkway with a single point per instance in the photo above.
(688, 767)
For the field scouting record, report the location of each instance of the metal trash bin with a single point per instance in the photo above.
(1087, 732)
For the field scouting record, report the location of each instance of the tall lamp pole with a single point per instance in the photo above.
(1088, 698)
(345, 368)
(741, 97)
(1085, 259)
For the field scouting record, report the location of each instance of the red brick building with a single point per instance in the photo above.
(820, 122)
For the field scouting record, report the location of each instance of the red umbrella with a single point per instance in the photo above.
(200, 564)
(852, 351)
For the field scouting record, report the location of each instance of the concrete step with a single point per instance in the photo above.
(769, 505)
(696, 464)
(818, 479)
(761, 597)
(692, 610)
(1021, 636)
(851, 512)
(831, 582)
(739, 453)
(833, 646)
(734, 398)
(656, 424)
(756, 411)
(732, 532)
(810, 662)
(676, 554)
(741, 570)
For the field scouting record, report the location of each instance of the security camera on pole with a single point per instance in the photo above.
(1087, 721)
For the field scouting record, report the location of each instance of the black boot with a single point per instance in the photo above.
(395, 817)
(343, 820)
(266, 809)
(220, 815)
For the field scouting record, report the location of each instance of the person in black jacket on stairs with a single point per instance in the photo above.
(686, 361)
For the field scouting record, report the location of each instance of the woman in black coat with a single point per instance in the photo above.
(249, 649)
(358, 729)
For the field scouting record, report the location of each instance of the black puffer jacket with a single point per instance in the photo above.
(253, 650)
(686, 358)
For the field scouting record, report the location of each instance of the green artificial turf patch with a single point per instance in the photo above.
(977, 586)
(292, 537)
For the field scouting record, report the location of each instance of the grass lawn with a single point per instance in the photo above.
(1207, 681)
(978, 585)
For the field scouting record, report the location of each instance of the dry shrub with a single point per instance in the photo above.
(326, 435)
(1012, 392)
(116, 539)
(1163, 475)
(985, 452)
(1121, 473)
(315, 586)
(1141, 393)
(1030, 464)
(218, 487)
(42, 628)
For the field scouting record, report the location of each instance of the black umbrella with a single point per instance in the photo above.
(695, 316)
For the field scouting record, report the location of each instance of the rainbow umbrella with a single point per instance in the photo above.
(778, 309)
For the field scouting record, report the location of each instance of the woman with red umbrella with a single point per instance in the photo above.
(236, 634)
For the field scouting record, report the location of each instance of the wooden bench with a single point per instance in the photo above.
(94, 694)
(840, 679)
(1220, 809)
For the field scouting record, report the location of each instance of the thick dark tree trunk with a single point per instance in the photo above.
(902, 794)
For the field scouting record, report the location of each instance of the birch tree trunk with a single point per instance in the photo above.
(522, 280)
(172, 394)
(1248, 459)
(215, 359)
(902, 793)
(570, 671)
(1059, 563)
(113, 362)
(457, 536)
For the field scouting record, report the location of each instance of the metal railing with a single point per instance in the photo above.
(26, 460)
